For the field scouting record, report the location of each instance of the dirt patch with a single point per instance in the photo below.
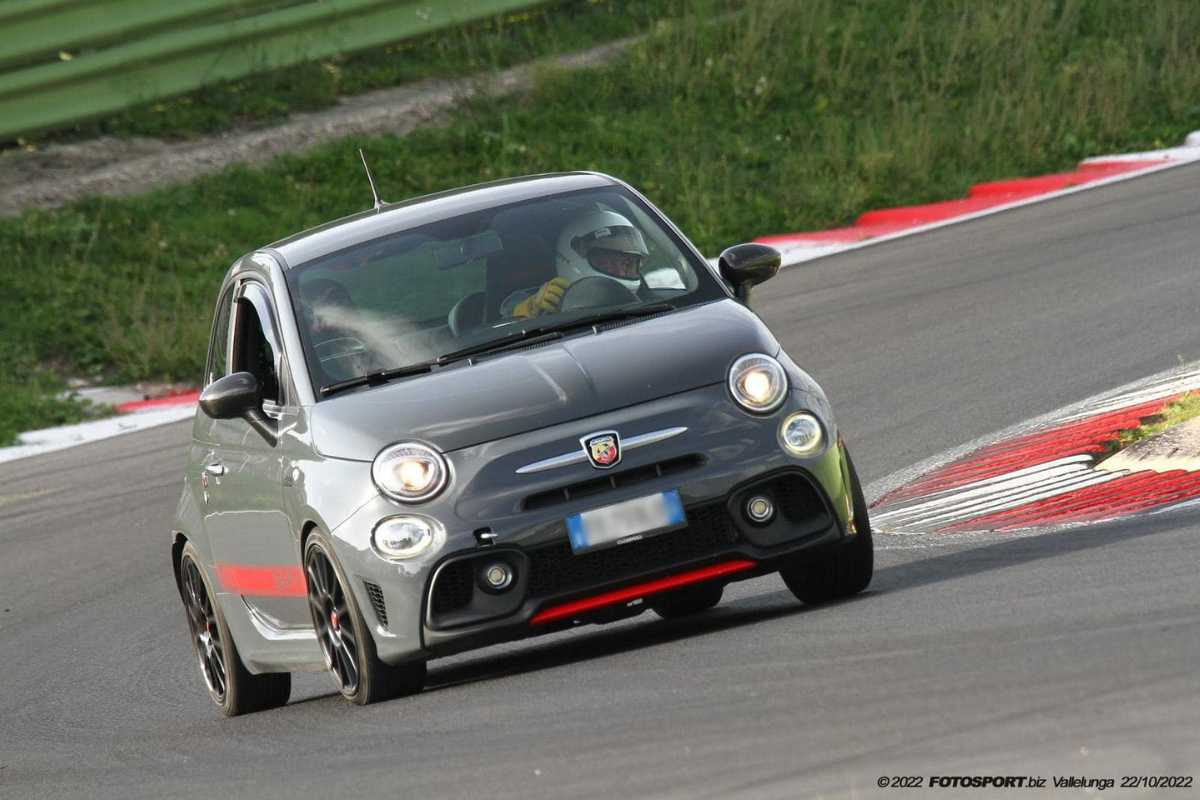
(61, 173)
(1176, 448)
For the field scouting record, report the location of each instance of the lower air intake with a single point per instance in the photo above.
(376, 595)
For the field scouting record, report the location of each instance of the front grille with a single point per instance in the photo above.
(377, 603)
(612, 480)
(556, 569)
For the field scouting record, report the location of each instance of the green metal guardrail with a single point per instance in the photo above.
(133, 51)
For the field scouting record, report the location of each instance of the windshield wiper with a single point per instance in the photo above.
(514, 339)
(546, 333)
(613, 315)
(378, 377)
(521, 338)
(532, 335)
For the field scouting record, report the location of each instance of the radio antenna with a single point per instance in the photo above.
(370, 179)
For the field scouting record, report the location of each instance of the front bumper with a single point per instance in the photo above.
(563, 589)
(724, 454)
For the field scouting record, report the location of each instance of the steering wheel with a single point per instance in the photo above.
(339, 347)
(596, 291)
(340, 356)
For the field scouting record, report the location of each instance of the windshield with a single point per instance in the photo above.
(461, 284)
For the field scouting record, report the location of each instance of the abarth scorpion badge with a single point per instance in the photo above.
(603, 449)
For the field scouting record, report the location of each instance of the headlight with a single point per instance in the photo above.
(410, 472)
(403, 537)
(801, 433)
(757, 383)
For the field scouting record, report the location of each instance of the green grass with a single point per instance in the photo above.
(496, 43)
(31, 397)
(1178, 412)
(763, 121)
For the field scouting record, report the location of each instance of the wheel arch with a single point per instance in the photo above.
(306, 531)
(179, 540)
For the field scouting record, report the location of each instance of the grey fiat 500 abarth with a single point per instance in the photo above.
(488, 414)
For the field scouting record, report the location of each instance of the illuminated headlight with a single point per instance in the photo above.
(403, 537)
(801, 433)
(757, 383)
(410, 472)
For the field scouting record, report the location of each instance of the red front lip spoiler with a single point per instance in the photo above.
(577, 607)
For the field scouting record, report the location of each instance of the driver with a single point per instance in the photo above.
(599, 243)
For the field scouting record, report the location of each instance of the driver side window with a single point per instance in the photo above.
(253, 353)
(218, 349)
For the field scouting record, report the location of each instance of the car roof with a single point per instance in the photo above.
(390, 217)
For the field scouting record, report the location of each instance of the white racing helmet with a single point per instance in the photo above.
(601, 243)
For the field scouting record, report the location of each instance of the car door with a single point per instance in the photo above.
(204, 470)
(253, 544)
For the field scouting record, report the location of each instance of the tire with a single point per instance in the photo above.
(845, 570)
(687, 601)
(230, 685)
(344, 636)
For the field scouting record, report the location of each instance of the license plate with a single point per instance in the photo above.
(625, 522)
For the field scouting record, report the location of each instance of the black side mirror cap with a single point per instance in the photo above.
(231, 397)
(747, 265)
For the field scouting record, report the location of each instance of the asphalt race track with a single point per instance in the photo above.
(1069, 653)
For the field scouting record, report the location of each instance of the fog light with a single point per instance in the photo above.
(404, 537)
(497, 576)
(760, 509)
(801, 434)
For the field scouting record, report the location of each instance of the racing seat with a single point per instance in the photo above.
(525, 262)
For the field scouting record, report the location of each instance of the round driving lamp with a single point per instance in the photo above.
(497, 576)
(801, 434)
(760, 509)
(398, 538)
(410, 472)
(757, 383)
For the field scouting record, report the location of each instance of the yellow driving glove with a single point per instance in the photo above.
(545, 300)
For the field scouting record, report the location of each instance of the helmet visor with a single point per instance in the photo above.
(616, 251)
(616, 263)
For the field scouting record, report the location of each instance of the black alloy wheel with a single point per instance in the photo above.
(331, 617)
(344, 636)
(206, 634)
(230, 685)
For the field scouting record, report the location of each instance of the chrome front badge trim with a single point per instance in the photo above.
(654, 437)
(579, 456)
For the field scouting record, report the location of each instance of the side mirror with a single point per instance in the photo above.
(231, 397)
(746, 265)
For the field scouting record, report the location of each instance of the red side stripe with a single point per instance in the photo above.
(282, 580)
(567, 610)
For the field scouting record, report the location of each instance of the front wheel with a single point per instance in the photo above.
(845, 570)
(344, 637)
(687, 601)
(230, 684)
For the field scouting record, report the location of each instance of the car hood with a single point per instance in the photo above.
(504, 395)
